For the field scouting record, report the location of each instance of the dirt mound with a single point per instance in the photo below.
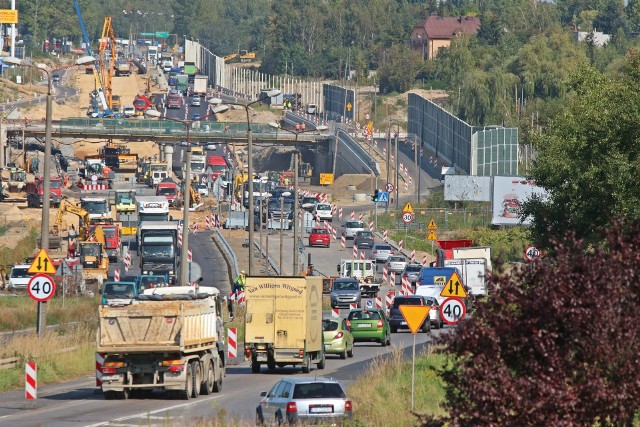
(273, 159)
(10, 213)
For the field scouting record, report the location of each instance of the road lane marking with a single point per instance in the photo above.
(147, 413)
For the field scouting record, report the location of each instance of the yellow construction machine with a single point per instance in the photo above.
(93, 256)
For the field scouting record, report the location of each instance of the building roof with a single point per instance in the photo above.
(439, 27)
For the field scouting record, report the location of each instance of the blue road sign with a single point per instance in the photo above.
(383, 197)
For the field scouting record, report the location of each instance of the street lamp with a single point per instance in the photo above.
(299, 128)
(46, 187)
(268, 94)
(184, 271)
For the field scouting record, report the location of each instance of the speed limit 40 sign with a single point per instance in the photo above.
(41, 287)
(452, 311)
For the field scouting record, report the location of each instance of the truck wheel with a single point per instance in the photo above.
(271, 366)
(110, 395)
(255, 367)
(306, 365)
(196, 374)
(185, 394)
(321, 363)
(209, 380)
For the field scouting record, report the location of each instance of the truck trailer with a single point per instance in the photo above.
(169, 338)
(283, 322)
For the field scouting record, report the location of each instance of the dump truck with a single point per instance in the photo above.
(35, 192)
(200, 85)
(123, 69)
(169, 338)
(283, 322)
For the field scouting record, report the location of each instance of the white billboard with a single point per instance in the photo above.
(509, 193)
(462, 188)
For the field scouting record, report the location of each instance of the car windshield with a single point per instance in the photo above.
(166, 190)
(413, 268)
(365, 234)
(397, 302)
(119, 290)
(345, 286)
(319, 231)
(323, 207)
(318, 391)
(20, 273)
(55, 183)
(382, 248)
(109, 232)
(329, 325)
(157, 250)
(94, 207)
(151, 282)
(355, 224)
(309, 200)
(396, 259)
(364, 315)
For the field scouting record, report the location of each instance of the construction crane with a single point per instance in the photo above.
(107, 70)
(99, 90)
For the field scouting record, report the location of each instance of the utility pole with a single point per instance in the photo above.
(388, 159)
(396, 166)
(415, 161)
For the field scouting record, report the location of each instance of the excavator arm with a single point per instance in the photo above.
(67, 206)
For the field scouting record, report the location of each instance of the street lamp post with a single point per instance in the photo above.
(299, 128)
(268, 94)
(186, 194)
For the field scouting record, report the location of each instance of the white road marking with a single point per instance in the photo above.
(157, 411)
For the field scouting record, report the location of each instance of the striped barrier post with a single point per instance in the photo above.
(334, 233)
(232, 343)
(392, 281)
(400, 245)
(384, 235)
(424, 261)
(385, 275)
(335, 313)
(360, 216)
(413, 255)
(189, 256)
(241, 298)
(370, 225)
(361, 255)
(31, 381)
(378, 302)
(340, 214)
(99, 363)
(353, 306)
(343, 242)
(116, 275)
(353, 215)
(355, 252)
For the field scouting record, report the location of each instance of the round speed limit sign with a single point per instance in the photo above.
(452, 311)
(41, 287)
(531, 253)
(407, 217)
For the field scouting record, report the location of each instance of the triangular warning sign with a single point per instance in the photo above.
(407, 208)
(414, 315)
(432, 235)
(454, 287)
(432, 225)
(42, 264)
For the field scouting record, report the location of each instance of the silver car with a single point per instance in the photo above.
(412, 273)
(351, 228)
(396, 264)
(304, 400)
(380, 252)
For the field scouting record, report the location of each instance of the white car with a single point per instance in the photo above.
(311, 109)
(129, 111)
(396, 264)
(202, 189)
(323, 212)
(195, 101)
(351, 228)
(19, 276)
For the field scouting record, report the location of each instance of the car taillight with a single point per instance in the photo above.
(347, 405)
(380, 324)
(291, 407)
(375, 251)
(348, 323)
(433, 307)
(338, 335)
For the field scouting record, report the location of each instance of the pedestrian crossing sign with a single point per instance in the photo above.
(383, 197)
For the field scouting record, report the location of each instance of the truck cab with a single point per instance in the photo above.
(158, 248)
(98, 208)
(363, 271)
(35, 192)
(170, 191)
(119, 293)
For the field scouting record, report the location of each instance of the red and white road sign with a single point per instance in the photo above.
(99, 362)
(390, 187)
(116, 275)
(335, 313)
(232, 343)
(189, 255)
(353, 306)
(452, 311)
(31, 381)
(41, 287)
(389, 298)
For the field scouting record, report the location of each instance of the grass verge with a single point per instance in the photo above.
(20, 312)
(386, 383)
(60, 356)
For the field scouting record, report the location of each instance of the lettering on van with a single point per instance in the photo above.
(275, 286)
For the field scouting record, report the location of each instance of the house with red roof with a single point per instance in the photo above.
(436, 32)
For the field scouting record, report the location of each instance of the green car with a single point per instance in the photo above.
(369, 325)
(337, 338)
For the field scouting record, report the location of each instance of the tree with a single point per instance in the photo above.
(399, 70)
(553, 345)
(589, 157)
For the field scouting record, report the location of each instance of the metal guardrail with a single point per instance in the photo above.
(229, 251)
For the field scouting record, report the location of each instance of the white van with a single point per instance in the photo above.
(311, 109)
(356, 268)
(19, 276)
(323, 212)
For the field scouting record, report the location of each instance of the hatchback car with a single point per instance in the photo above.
(202, 189)
(369, 325)
(195, 101)
(380, 252)
(323, 212)
(363, 239)
(396, 264)
(304, 400)
(396, 319)
(196, 117)
(344, 292)
(351, 228)
(412, 273)
(337, 338)
(319, 237)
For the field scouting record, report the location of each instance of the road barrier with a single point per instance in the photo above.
(232, 343)
(99, 362)
(31, 381)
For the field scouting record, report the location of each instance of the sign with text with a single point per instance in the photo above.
(8, 16)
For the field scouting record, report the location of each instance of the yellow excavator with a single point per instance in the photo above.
(93, 256)
(67, 206)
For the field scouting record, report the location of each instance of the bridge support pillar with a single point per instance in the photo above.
(3, 144)
(162, 148)
(168, 156)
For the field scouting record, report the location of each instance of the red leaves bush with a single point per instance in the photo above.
(557, 345)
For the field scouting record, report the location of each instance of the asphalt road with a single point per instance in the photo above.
(79, 403)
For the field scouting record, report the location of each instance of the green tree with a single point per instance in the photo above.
(399, 70)
(589, 157)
